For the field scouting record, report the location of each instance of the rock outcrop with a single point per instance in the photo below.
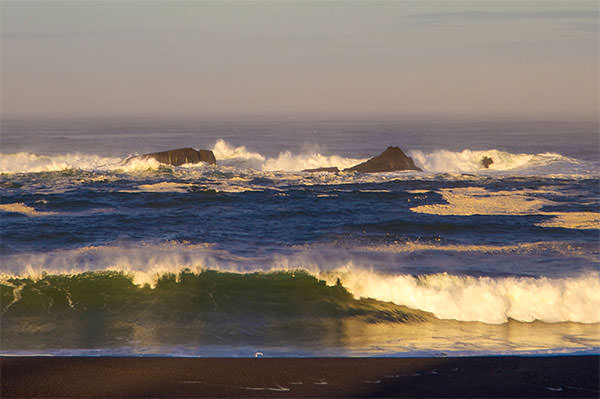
(390, 160)
(332, 169)
(182, 156)
(486, 162)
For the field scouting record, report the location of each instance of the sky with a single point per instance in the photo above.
(118, 58)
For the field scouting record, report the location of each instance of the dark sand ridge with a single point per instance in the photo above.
(494, 376)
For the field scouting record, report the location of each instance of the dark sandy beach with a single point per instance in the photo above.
(508, 376)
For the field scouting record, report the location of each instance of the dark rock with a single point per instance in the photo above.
(332, 169)
(486, 162)
(182, 156)
(391, 159)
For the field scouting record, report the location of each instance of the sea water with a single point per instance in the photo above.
(105, 254)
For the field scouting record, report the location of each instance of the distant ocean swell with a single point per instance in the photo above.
(440, 161)
(344, 292)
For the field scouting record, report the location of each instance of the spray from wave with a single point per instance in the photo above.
(285, 161)
(471, 161)
(236, 156)
(26, 162)
(227, 155)
(486, 299)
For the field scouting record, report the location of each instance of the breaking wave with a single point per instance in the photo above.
(202, 274)
(285, 161)
(493, 300)
(470, 160)
(227, 155)
(189, 295)
(27, 162)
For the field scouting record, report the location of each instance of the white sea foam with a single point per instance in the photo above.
(572, 220)
(479, 201)
(287, 161)
(19, 207)
(441, 161)
(563, 248)
(467, 201)
(227, 154)
(27, 162)
(486, 299)
(132, 165)
(162, 187)
(470, 160)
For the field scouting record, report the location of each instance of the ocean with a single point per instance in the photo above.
(103, 254)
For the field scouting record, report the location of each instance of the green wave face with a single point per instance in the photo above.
(214, 313)
(192, 296)
(189, 310)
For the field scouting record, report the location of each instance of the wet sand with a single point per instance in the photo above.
(504, 376)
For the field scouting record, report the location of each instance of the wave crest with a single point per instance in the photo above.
(227, 155)
(27, 162)
(470, 160)
(486, 299)
(287, 161)
(492, 300)
(187, 294)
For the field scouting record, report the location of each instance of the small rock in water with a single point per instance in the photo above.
(486, 162)
(332, 169)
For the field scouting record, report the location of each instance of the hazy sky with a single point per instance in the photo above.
(96, 58)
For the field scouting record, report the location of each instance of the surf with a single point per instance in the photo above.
(471, 160)
(488, 299)
(187, 294)
(240, 157)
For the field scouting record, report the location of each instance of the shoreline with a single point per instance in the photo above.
(489, 376)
